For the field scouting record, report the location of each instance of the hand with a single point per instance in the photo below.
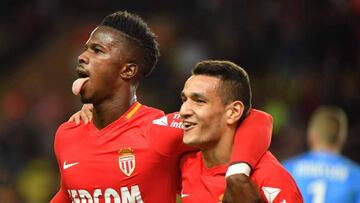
(241, 189)
(85, 114)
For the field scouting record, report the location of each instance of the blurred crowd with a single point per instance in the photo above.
(299, 54)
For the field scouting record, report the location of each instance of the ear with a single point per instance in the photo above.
(234, 112)
(128, 71)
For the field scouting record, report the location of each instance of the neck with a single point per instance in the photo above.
(110, 110)
(220, 152)
(326, 148)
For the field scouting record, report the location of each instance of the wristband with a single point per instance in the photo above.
(239, 168)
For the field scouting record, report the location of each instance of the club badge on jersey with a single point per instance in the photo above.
(127, 160)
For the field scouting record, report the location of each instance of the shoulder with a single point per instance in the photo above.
(69, 125)
(166, 127)
(147, 109)
(272, 177)
(190, 158)
(66, 126)
(169, 121)
(165, 134)
(190, 162)
(148, 113)
(141, 115)
(290, 162)
(67, 133)
(353, 166)
(69, 130)
(270, 169)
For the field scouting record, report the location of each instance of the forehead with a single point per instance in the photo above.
(106, 35)
(202, 84)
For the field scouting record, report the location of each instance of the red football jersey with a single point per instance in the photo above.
(202, 184)
(133, 159)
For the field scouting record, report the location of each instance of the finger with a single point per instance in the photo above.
(87, 107)
(83, 116)
(89, 114)
(72, 118)
(77, 119)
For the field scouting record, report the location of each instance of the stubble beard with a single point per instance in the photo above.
(85, 100)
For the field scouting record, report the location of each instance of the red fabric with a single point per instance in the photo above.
(271, 174)
(201, 184)
(93, 161)
(157, 148)
(252, 138)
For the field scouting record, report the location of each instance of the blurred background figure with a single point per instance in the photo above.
(299, 54)
(323, 174)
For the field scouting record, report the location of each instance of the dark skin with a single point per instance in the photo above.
(241, 189)
(112, 90)
(105, 60)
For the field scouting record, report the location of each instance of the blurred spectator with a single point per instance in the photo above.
(35, 183)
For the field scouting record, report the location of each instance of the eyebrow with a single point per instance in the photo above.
(92, 44)
(106, 45)
(194, 95)
(98, 45)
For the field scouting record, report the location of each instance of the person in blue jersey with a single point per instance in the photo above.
(323, 174)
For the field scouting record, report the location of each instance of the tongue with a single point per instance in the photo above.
(77, 85)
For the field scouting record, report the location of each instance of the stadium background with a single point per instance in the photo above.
(299, 54)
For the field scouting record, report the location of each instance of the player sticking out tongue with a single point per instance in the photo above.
(78, 84)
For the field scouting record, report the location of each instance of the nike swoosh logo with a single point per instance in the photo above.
(184, 195)
(66, 166)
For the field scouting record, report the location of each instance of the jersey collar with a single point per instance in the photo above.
(133, 109)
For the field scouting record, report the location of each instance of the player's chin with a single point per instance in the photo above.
(188, 139)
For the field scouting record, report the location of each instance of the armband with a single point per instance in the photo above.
(239, 168)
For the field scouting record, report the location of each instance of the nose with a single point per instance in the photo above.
(185, 110)
(83, 58)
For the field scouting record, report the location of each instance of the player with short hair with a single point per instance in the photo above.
(128, 152)
(216, 99)
(323, 175)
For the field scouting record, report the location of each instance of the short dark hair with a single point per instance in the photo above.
(137, 31)
(235, 80)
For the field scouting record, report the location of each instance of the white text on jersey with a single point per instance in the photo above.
(109, 195)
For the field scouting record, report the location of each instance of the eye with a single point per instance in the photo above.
(97, 50)
(200, 101)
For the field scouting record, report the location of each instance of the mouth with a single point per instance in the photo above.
(188, 125)
(79, 83)
(81, 72)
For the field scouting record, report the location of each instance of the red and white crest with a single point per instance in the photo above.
(127, 160)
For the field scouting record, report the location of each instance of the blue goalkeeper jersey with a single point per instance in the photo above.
(325, 178)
